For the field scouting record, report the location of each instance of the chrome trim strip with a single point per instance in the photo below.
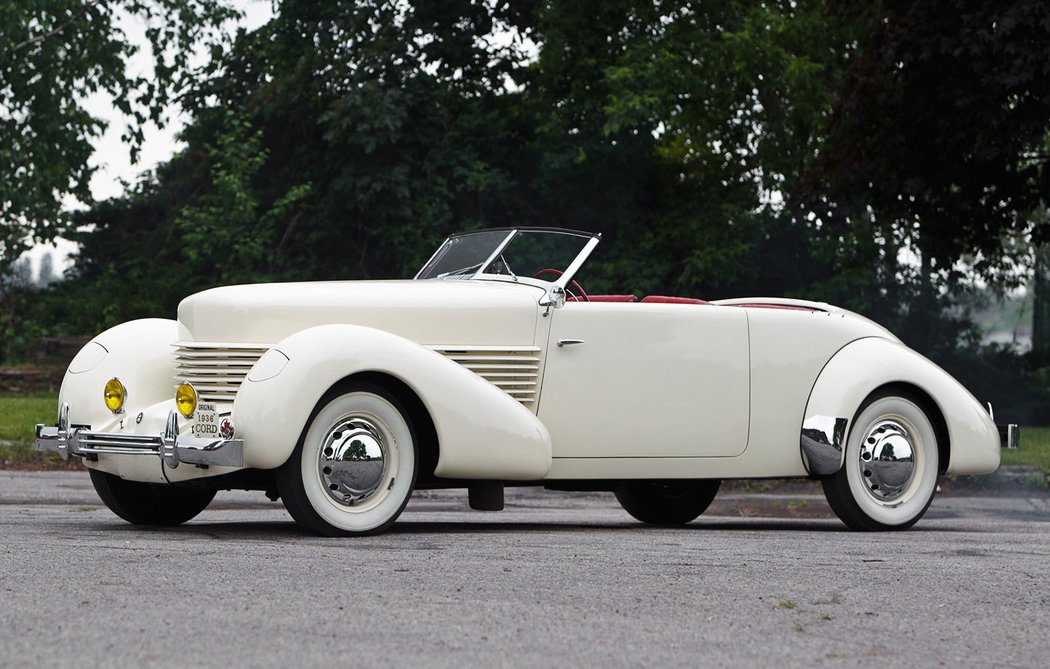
(823, 443)
(171, 447)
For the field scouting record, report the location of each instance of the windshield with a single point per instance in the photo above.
(540, 253)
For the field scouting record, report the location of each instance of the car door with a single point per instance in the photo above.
(646, 380)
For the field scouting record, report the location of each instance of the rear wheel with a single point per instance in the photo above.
(667, 502)
(354, 467)
(150, 503)
(892, 462)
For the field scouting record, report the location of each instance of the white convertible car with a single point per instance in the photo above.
(493, 367)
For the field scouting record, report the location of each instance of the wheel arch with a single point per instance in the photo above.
(968, 441)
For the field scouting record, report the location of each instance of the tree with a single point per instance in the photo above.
(937, 142)
(54, 54)
(343, 140)
(694, 115)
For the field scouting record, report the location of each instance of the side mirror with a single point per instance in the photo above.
(553, 299)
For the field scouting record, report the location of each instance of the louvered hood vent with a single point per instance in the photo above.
(216, 371)
(513, 369)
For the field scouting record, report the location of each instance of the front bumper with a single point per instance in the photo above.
(171, 447)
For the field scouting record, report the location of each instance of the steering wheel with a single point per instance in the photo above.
(557, 273)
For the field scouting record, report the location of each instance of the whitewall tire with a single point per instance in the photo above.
(891, 466)
(354, 467)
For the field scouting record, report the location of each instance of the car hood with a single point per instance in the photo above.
(429, 312)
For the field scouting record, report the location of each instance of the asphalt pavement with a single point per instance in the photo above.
(767, 577)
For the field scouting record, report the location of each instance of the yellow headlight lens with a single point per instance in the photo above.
(186, 400)
(115, 394)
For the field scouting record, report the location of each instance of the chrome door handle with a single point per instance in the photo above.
(569, 342)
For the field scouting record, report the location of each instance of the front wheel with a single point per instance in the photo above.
(892, 462)
(670, 502)
(354, 467)
(155, 504)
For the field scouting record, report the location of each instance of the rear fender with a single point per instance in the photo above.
(482, 432)
(862, 367)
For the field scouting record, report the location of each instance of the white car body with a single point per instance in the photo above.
(518, 385)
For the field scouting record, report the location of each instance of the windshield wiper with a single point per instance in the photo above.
(459, 272)
(501, 262)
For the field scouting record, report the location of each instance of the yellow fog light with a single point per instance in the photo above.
(186, 400)
(115, 394)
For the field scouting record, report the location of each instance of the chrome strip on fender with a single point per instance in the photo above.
(823, 443)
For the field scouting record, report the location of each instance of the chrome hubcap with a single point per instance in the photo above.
(887, 460)
(352, 460)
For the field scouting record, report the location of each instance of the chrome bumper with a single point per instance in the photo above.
(1009, 435)
(171, 447)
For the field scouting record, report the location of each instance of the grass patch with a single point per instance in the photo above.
(18, 419)
(1034, 449)
(19, 416)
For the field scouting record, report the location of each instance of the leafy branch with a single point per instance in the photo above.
(57, 31)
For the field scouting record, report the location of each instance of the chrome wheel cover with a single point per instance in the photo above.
(354, 460)
(887, 460)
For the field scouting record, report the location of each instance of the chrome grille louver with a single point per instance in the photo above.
(216, 371)
(513, 369)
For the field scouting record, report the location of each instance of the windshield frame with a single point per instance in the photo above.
(568, 272)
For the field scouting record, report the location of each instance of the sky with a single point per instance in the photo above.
(112, 157)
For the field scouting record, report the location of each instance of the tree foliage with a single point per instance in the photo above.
(935, 151)
(345, 140)
(56, 54)
(876, 155)
(939, 138)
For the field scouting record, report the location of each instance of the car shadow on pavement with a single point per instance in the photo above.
(625, 526)
(256, 530)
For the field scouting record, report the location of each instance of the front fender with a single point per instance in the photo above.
(138, 353)
(865, 365)
(482, 432)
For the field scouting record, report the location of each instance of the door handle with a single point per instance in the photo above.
(569, 342)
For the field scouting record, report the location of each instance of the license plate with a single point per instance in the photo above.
(207, 424)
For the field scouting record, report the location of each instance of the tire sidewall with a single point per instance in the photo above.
(375, 514)
(916, 499)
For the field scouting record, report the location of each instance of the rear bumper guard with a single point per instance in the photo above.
(1009, 435)
(171, 447)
